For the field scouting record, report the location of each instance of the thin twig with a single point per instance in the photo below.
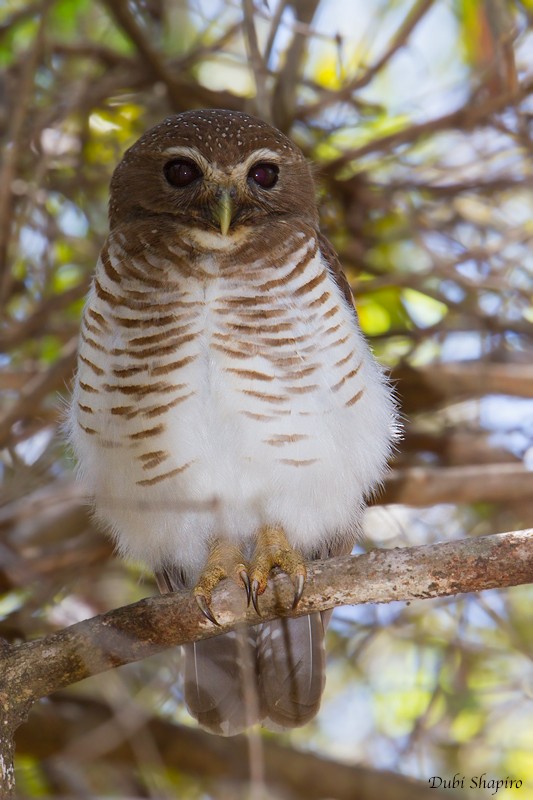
(287, 80)
(419, 10)
(21, 110)
(38, 387)
(256, 62)
(274, 28)
(181, 96)
(465, 118)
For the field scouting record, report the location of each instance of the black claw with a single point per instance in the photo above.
(206, 611)
(243, 575)
(254, 593)
(300, 580)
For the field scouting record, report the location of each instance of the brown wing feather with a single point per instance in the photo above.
(334, 265)
(344, 545)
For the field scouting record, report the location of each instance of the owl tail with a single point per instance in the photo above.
(219, 682)
(273, 674)
(291, 662)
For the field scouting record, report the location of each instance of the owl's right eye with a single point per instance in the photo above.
(181, 172)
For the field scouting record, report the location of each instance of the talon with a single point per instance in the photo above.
(243, 575)
(254, 593)
(273, 550)
(204, 608)
(300, 581)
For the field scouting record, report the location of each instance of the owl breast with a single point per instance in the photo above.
(214, 402)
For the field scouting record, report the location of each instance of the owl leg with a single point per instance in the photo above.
(225, 560)
(273, 550)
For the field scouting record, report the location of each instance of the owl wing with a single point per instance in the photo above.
(334, 265)
(344, 545)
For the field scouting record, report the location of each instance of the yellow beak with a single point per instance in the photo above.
(224, 211)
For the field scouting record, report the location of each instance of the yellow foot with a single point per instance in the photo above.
(273, 550)
(224, 561)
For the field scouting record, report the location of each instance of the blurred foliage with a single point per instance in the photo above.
(418, 117)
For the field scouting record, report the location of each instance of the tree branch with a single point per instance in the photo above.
(35, 669)
(21, 110)
(441, 382)
(466, 118)
(39, 386)
(76, 726)
(285, 92)
(257, 64)
(473, 483)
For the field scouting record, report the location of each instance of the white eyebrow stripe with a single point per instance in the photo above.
(213, 171)
(182, 151)
(263, 154)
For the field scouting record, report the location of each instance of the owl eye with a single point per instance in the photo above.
(265, 175)
(181, 172)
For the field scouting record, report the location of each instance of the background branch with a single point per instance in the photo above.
(75, 725)
(425, 486)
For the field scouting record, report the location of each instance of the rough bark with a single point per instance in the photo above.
(35, 669)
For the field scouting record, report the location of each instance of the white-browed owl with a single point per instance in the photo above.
(228, 416)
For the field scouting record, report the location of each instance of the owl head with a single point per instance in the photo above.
(212, 170)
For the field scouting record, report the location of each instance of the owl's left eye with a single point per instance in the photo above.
(265, 175)
(181, 172)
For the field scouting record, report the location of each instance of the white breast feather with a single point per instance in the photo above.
(236, 481)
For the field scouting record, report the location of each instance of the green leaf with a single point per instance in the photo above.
(423, 310)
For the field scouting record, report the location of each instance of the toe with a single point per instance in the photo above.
(224, 561)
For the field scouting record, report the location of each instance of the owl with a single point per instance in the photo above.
(227, 415)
